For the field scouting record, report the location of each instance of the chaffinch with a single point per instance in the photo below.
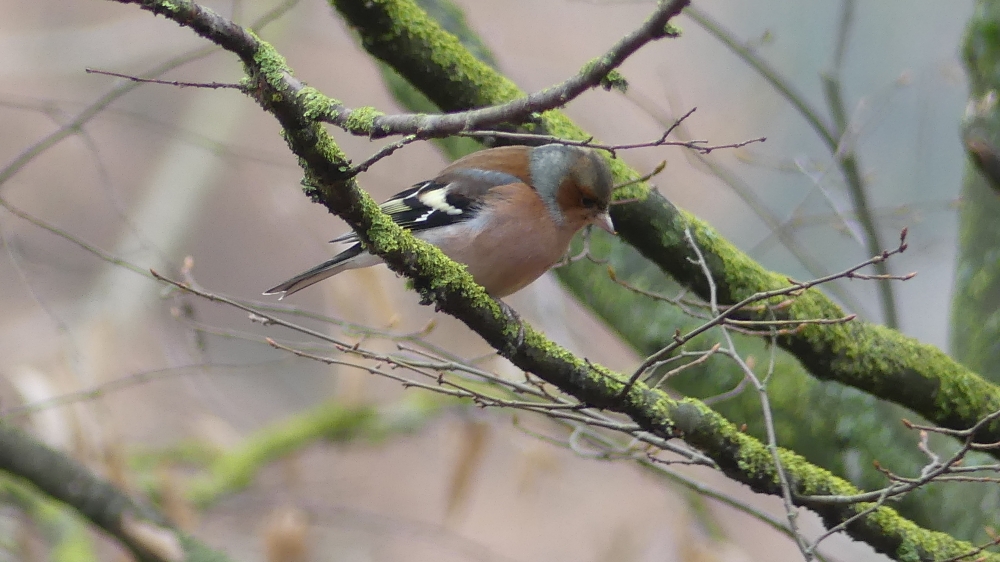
(507, 213)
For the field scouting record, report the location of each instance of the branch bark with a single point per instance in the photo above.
(520, 108)
(140, 528)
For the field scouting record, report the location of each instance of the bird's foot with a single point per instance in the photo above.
(514, 317)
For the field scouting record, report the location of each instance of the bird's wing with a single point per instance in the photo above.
(452, 197)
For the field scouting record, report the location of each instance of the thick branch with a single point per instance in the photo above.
(866, 356)
(451, 289)
(975, 330)
(521, 108)
(144, 531)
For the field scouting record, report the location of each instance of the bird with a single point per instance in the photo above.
(507, 213)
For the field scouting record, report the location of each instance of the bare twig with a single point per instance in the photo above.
(791, 512)
(702, 147)
(832, 135)
(207, 85)
(795, 288)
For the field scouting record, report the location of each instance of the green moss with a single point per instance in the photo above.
(236, 469)
(755, 462)
(420, 39)
(551, 349)
(328, 147)
(634, 192)
(316, 105)
(64, 529)
(713, 434)
(739, 272)
(452, 18)
(916, 544)
(613, 80)
(362, 120)
(272, 66)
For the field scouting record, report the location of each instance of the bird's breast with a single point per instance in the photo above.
(503, 255)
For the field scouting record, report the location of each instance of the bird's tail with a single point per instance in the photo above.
(342, 261)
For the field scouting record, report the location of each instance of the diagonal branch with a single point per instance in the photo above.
(596, 72)
(869, 357)
(452, 290)
(144, 531)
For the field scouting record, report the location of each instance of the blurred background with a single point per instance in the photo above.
(163, 174)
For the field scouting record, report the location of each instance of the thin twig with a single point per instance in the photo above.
(772, 439)
(846, 160)
(795, 288)
(208, 85)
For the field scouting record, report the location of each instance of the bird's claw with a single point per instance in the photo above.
(514, 317)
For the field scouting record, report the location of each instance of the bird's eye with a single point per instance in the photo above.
(589, 202)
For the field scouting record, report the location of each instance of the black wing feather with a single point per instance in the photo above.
(414, 213)
(448, 199)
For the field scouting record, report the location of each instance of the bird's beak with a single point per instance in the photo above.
(603, 220)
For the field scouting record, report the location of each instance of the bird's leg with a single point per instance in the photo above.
(513, 316)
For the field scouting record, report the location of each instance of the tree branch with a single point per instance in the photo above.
(869, 357)
(597, 72)
(451, 289)
(143, 530)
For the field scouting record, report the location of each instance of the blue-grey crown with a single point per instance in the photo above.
(551, 163)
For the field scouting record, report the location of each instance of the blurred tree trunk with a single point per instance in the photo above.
(975, 338)
(976, 310)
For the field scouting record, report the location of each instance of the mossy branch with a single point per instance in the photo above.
(64, 529)
(234, 470)
(140, 528)
(450, 288)
(869, 357)
(975, 335)
(519, 109)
